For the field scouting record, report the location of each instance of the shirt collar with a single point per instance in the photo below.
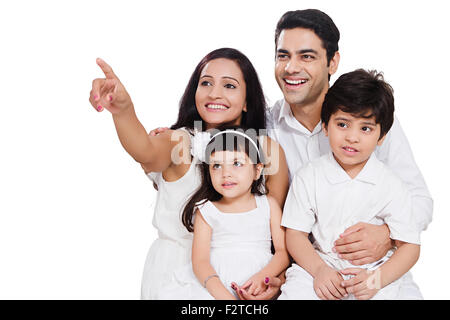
(288, 116)
(371, 173)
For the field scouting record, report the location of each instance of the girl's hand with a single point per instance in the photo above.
(109, 93)
(364, 284)
(255, 285)
(327, 284)
(271, 291)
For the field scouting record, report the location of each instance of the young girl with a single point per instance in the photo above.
(223, 89)
(233, 226)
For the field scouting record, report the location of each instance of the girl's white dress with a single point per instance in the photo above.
(172, 249)
(240, 247)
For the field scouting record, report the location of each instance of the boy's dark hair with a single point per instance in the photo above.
(362, 94)
(224, 142)
(315, 20)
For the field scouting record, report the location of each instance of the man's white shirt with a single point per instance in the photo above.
(301, 146)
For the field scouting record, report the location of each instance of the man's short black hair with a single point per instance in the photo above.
(315, 20)
(362, 94)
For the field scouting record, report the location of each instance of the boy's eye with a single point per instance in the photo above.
(342, 125)
(366, 129)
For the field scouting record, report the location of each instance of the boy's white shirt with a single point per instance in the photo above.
(324, 200)
(301, 146)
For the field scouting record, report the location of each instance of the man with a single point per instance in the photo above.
(306, 56)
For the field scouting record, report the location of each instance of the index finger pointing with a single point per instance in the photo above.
(107, 70)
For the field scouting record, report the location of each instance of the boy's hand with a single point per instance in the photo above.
(327, 284)
(363, 243)
(109, 93)
(364, 285)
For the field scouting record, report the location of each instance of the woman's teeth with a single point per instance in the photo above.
(216, 106)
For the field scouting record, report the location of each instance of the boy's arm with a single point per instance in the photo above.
(404, 258)
(366, 283)
(327, 281)
(201, 260)
(303, 252)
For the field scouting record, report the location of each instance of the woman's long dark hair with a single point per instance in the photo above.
(254, 118)
(228, 141)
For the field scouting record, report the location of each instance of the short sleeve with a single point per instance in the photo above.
(399, 216)
(207, 209)
(299, 208)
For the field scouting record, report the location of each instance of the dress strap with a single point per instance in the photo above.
(263, 205)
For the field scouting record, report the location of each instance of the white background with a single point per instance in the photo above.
(76, 210)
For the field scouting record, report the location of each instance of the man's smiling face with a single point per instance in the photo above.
(301, 67)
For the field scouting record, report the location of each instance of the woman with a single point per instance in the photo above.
(224, 89)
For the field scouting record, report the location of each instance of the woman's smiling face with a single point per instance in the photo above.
(221, 93)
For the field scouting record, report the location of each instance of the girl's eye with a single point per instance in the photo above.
(205, 83)
(366, 129)
(230, 86)
(237, 164)
(216, 166)
(342, 125)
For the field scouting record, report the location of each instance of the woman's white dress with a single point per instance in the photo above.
(172, 249)
(240, 247)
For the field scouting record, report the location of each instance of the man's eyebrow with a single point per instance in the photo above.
(303, 51)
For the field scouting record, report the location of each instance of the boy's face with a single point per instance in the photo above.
(352, 140)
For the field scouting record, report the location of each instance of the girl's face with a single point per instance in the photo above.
(221, 93)
(232, 173)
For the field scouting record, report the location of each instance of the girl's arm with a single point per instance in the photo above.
(201, 260)
(276, 171)
(279, 261)
(154, 153)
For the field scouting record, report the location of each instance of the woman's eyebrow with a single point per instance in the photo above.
(228, 77)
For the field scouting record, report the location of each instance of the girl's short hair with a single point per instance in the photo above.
(228, 140)
(254, 118)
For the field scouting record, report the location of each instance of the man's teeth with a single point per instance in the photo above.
(216, 106)
(295, 81)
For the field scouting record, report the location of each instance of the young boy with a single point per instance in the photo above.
(347, 186)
